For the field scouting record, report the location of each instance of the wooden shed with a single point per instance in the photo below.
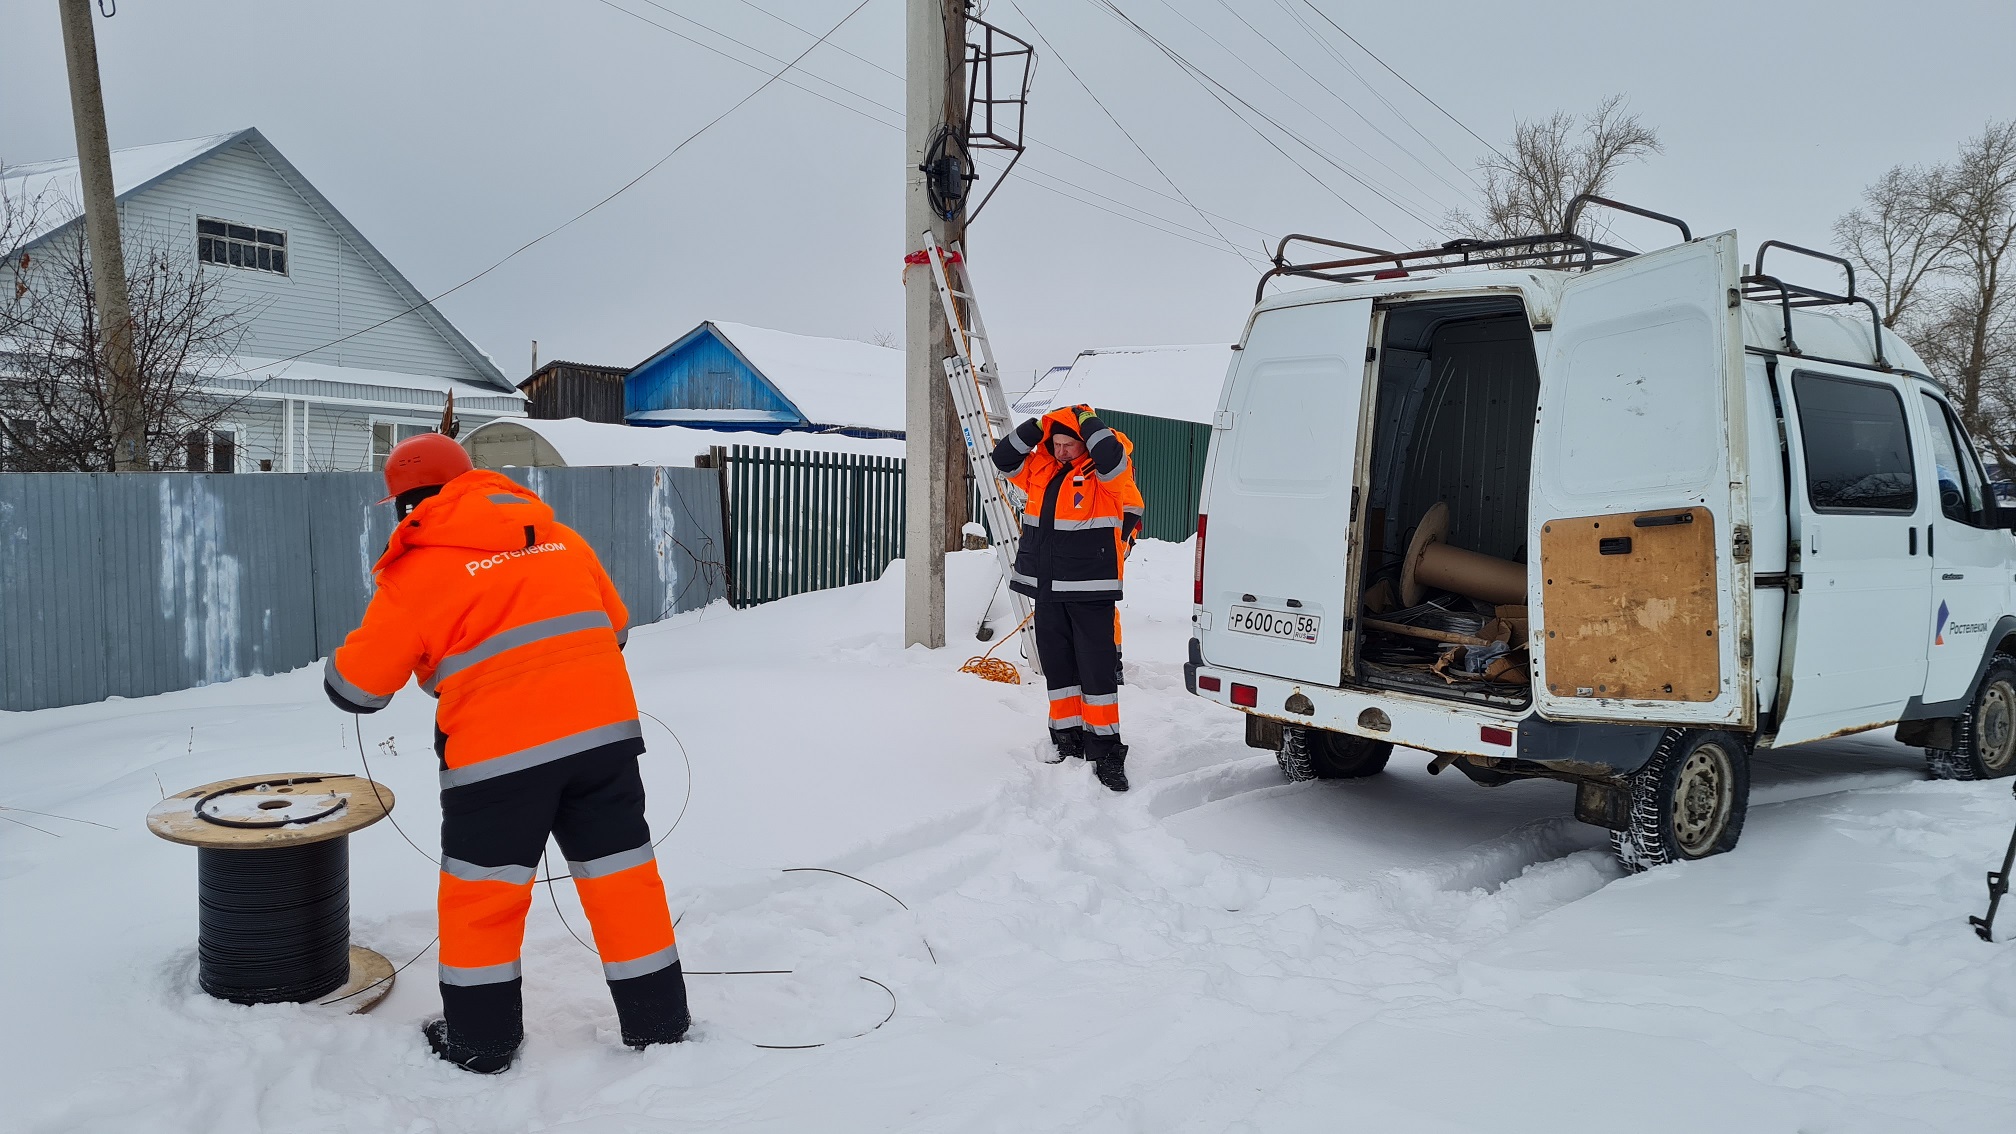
(575, 389)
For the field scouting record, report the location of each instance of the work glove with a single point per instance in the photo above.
(1081, 413)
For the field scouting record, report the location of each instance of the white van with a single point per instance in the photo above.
(1699, 510)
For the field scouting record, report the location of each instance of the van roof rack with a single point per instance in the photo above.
(1572, 251)
(1760, 286)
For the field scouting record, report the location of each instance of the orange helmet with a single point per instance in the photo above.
(427, 461)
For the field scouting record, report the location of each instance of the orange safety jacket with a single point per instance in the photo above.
(506, 616)
(1079, 520)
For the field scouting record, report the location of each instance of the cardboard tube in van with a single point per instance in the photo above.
(1472, 574)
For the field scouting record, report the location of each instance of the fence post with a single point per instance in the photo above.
(717, 457)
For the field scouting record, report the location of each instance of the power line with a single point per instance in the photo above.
(1346, 104)
(1213, 86)
(569, 222)
(1288, 8)
(808, 31)
(1032, 141)
(1389, 70)
(1292, 99)
(1066, 190)
(1158, 221)
(1138, 148)
(759, 51)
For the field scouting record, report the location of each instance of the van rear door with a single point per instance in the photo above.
(1639, 507)
(1278, 488)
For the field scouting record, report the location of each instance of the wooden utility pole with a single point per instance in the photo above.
(934, 482)
(101, 230)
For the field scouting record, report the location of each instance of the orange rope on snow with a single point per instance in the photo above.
(998, 669)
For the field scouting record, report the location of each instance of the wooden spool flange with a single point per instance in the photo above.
(271, 799)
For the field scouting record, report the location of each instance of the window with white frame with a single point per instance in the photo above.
(386, 434)
(211, 450)
(241, 245)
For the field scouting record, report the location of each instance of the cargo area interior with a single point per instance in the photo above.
(1442, 544)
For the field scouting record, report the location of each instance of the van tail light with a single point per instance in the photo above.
(1502, 737)
(1245, 695)
(1197, 595)
(1208, 683)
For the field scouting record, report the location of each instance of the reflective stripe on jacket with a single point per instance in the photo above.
(507, 617)
(1079, 520)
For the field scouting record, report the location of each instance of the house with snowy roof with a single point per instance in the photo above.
(732, 376)
(340, 356)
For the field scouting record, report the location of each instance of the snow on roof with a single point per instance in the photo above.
(1180, 382)
(259, 369)
(833, 382)
(57, 189)
(582, 442)
(1037, 398)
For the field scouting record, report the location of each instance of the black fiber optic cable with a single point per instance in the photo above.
(273, 923)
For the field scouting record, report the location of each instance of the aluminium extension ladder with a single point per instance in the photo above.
(984, 418)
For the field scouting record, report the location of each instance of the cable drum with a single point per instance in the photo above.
(274, 924)
(273, 886)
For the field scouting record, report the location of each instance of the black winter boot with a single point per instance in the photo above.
(1068, 742)
(436, 1032)
(1111, 767)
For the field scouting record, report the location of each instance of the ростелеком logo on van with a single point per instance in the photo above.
(1939, 632)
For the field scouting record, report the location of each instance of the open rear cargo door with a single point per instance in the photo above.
(1640, 518)
(1278, 493)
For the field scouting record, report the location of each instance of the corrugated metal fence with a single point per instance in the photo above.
(1169, 468)
(140, 583)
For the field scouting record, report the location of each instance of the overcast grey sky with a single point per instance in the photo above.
(451, 131)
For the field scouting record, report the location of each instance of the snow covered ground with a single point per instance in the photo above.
(1215, 951)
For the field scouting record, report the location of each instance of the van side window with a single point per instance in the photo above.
(1961, 484)
(1858, 449)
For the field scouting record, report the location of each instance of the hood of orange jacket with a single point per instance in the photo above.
(1062, 420)
(468, 513)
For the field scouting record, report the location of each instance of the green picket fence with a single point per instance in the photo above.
(804, 521)
(1168, 467)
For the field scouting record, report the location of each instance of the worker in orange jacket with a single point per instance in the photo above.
(507, 617)
(1080, 520)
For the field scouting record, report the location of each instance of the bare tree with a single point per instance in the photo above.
(1901, 237)
(55, 386)
(1941, 244)
(1976, 315)
(1553, 160)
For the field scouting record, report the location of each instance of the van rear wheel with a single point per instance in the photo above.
(1314, 754)
(1984, 740)
(1688, 802)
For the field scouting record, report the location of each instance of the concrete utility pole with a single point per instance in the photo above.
(934, 475)
(101, 229)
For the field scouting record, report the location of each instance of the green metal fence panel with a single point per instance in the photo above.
(804, 521)
(1168, 467)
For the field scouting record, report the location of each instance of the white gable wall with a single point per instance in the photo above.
(330, 290)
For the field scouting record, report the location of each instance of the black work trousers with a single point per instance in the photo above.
(493, 836)
(1079, 647)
